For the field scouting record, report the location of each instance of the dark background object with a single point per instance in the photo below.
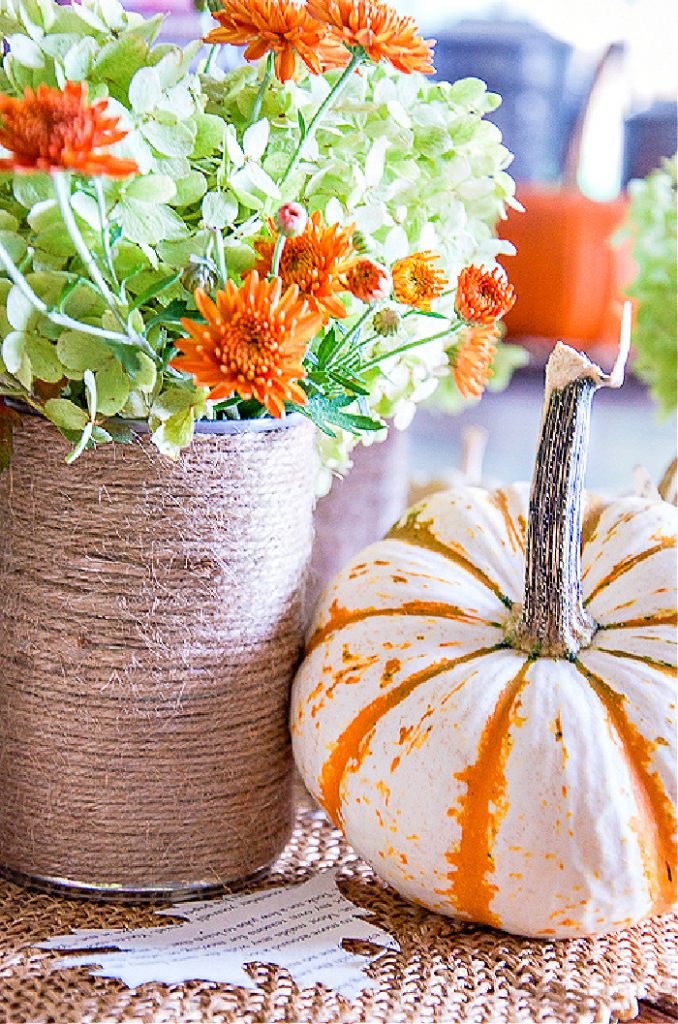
(649, 136)
(543, 81)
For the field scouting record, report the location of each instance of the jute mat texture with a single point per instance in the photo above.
(445, 971)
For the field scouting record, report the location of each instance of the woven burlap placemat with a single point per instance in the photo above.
(444, 971)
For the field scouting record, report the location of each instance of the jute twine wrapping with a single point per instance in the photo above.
(150, 624)
(445, 971)
(360, 508)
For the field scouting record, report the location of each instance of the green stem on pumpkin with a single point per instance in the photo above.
(553, 620)
(357, 57)
(62, 190)
(261, 92)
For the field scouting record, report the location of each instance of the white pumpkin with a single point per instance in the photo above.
(489, 715)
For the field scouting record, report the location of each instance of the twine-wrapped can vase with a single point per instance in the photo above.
(151, 619)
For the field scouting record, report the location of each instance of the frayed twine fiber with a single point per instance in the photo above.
(150, 625)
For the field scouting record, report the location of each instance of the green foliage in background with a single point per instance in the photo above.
(651, 225)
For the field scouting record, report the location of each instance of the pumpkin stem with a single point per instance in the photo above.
(553, 620)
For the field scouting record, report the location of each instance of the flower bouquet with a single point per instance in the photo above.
(208, 264)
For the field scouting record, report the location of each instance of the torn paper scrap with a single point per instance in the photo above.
(297, 927)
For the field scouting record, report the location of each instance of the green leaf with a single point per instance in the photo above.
(8, 222)
(351, 384)
(190, 189)
(117, 63)
(126, 354)
(82, 352)
(170, 139)
(146, 374)
(219, 209)
(328, 412)
(147, 224)
(151, 188)
(209, 135)
(14, 351)
(332, 341)
(56, 242)
(65, 414)
(468, 92)
(145, 90)
(174, 433)
(14, 246)
(171, 402)
(155, 289)
(119, 433)
(25, 51)
(101, 436)
(178, 253)
(113, 387)
(45, 364)
(21, 312)
(78, 60)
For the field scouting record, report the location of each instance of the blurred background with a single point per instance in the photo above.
(589, 92)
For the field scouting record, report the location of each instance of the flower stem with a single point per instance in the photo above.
(350, 334)
(263, 86)
(62, 319)
(211, 58)
(277, 254)
(357, 58)
(62, 190)
(402, 348)
(221, 254)
(105, 239)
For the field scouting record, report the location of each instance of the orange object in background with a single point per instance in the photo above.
(568, 278)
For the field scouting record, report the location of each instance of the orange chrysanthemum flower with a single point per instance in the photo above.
(417, 280)
(368, 281)
(483, 296)
(315, 261)
(283, 27)
(58, 130)
(253, 343)
(472, 363)
(379, 30)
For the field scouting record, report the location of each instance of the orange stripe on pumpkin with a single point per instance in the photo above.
(592, 516)
(662, 618)
(341, 617)
(516, 534)
(629, 563)
(653, 803)
(347, 747)
(411, 531)
(661, 666)
(482, 809)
